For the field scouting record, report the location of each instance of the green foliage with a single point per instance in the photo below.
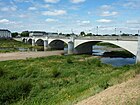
(15, 34)
(108, 45)
(25, 34)
(1, 72)
(12, 91)
(124, 54)
(10, 45)
(82, 33)
(57, 80)
(55, 73)
(69, 60)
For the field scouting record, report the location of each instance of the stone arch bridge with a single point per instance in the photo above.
(84, 45)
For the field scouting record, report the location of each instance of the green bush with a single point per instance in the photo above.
(1, 72)
(13, 91)
(55, 73)
(69, 60)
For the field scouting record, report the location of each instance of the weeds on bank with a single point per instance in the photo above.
(45, 81)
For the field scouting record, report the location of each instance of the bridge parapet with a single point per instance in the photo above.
(129, 38)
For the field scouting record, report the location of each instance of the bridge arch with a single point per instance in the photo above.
(40, 42)
(24, 40)
(29, 41)
(57, 44)
(86, 46)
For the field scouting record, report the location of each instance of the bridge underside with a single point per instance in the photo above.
(24, 40)
(30, 41)
(85, 48)
(57, 45)
(40, 42)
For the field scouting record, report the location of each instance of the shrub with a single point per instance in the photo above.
(55, 73)
(13, 91)
(1, 72)
(69, 60)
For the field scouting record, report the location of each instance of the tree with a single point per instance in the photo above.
(15, 34)
(89, 34)
(82, 33)
(25, 34)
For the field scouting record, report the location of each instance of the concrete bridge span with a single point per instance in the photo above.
(80, 46)
(130, 46)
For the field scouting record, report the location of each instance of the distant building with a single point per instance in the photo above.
(41, 33)
(4, 33)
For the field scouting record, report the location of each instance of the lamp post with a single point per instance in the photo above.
(115, 30)
(97, 30)
(120, 34)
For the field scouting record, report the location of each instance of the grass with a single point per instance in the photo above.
(107, 45)
(57, 80)
(11, 45)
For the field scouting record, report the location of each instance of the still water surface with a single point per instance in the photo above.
(117, 61)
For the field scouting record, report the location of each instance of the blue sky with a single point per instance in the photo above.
(71, 15)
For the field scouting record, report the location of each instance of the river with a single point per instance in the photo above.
(114, 61)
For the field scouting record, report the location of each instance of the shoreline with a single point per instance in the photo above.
(25, 55)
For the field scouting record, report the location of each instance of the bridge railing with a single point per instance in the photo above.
(129, 38)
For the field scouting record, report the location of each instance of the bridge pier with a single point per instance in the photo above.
(33, 42)
(25, 41)
(45, 44)
(138, 51)
(70, 47)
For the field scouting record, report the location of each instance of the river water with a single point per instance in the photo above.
(116, 61)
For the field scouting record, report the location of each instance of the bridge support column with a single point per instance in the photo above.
(25, 41)
(45, 44)
(138, 51)
(33, 42)
(70, 47)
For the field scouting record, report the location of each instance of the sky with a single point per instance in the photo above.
(67, 16)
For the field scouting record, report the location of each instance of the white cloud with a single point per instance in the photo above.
(23, 15)
(85, 22)
(77, 1)
(52, 1)
(8, 9)
(133, 22)
(46, 6)
(54, 13)
(104, 21)
(22, 0)
(89, 13)
(106, 7)
(51, 20)
(107, 13)
(6, 21)
(32, 8)
(132, 4)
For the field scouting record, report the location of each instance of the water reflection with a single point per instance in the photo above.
(117, 61)
(21, 49)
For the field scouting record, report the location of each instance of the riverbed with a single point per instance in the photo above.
(26, 55)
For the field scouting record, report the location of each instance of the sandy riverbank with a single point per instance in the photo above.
(126, 93)
(25, 55)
